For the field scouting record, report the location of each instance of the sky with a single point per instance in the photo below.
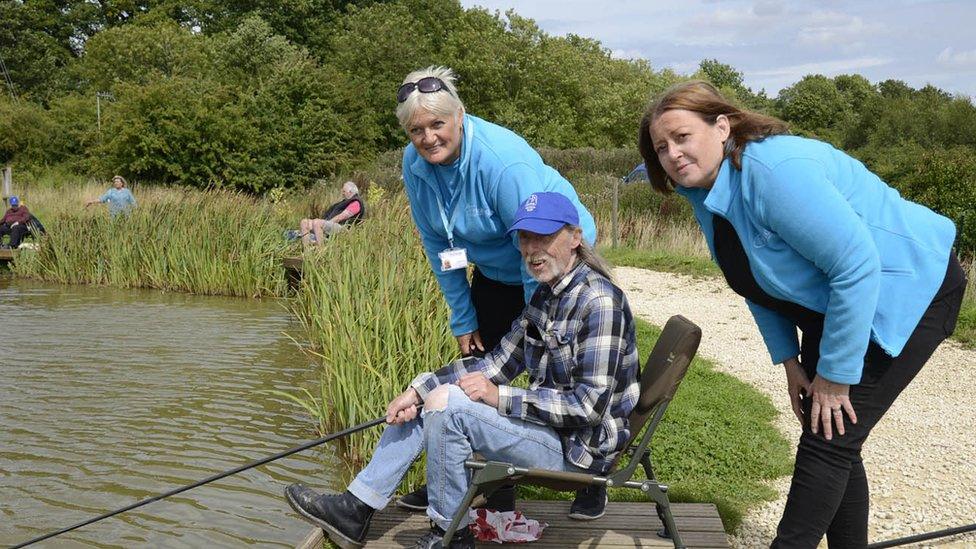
(774, 43)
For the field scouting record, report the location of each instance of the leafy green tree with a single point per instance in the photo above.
(720, 74)
(36, 59)
(265, 115)
(141, 54)
(26, 129)
(813, 104)
(895, 89)
(373, 48)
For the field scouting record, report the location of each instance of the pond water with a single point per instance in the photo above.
(111, 396)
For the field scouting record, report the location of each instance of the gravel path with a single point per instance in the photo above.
(920, 459)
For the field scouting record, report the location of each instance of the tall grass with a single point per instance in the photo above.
(966, 327)
(200, 242)
(373, 313)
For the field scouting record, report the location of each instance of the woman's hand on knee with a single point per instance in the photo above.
(797, 385)
(469, 343)
(403, 408)
(830, 402)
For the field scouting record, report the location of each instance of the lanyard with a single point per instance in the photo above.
(448, 222)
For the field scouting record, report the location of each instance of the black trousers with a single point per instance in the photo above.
(16, 233)
(829, 493)
(497, 305)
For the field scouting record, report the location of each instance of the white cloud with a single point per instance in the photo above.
(620, 53)
(837, 66)
(835, 29)
(951, 58)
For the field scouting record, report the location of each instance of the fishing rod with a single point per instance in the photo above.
(234, 471)
(923, 537)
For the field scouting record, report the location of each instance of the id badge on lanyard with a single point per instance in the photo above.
(453, 259)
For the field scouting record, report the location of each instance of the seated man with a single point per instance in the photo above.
(14, 222)
(575, 340)
(348, 210)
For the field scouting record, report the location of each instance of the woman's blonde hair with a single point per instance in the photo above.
(441, 103)
(119, 177)
(702, 98)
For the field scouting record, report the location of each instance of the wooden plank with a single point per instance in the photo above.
(626, 524)
(7, 254)
(293, 271)
(313, 539)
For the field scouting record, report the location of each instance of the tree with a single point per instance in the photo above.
(813, 104)
(720, 75)
(140, 54)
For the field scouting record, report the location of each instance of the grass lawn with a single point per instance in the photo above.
(660, 261)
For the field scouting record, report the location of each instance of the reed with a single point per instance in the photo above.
(202, 242)
(374, 317)
(966, 327)
(212, 242)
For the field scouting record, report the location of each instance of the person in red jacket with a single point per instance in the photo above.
(14, 222)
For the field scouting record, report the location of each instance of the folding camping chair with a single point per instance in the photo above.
(663, 371)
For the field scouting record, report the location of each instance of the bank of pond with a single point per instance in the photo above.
(366, 317)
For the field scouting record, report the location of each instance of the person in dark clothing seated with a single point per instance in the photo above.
(344, 212)
(15, 222)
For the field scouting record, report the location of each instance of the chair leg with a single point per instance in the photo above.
(670, 530)
(462, 509)
(662, 505)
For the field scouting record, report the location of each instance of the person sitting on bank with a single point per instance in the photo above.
(344, 212)
(119, 198)
(576, 341)
(15, 223)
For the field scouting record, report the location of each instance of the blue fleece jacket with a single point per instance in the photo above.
(496, 172)
(822, 231)
(119, 200)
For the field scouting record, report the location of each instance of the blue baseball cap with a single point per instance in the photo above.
(14, 201)
(545, 213)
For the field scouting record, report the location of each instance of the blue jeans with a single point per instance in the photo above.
(450, 436)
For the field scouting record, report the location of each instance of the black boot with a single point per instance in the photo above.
(414, 501)
(502, 499)
(590, 503)
(343, 517)
(462, 539)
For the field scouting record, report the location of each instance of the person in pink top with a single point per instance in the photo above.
(344, 212)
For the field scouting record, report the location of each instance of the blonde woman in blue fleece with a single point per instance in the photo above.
(815, 242)
(465, 179)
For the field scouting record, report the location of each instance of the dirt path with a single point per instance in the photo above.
(921, 458)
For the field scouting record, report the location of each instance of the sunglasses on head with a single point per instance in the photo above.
(429, 84)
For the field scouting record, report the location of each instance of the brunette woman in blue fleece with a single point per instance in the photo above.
(465, 179)
(816, 242)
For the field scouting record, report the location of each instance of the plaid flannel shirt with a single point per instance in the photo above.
(576, 341)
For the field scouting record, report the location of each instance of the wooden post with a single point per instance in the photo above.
(7, 182)
(616, 201)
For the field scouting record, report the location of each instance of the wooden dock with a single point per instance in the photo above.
(626, 524)
(293, 271)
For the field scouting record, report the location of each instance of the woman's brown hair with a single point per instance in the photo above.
(702, 98)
